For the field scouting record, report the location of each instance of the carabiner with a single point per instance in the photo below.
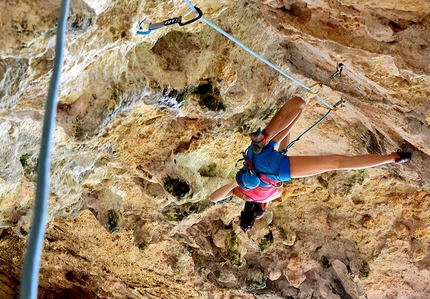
(339, 103)
(312, 91)
(339, 69)
(140, 31)
(199, 15)
(338, 72)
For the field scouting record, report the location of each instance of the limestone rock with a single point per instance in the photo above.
(148, 126)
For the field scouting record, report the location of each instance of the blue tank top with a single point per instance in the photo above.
(268, 161)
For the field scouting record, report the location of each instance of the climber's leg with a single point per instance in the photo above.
(280, 126)
(284, 120)
(303, 166)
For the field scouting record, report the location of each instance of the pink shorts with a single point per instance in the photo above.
(259, 194)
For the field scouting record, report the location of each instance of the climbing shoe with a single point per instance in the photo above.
(258, 141)
(403, 157)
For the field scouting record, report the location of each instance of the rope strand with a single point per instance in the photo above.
(30, 274)
(257, 56)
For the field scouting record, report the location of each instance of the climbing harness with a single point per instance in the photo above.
(172, 21)
(250, 170)
(285, 151)
(248, 167)
(320, 85)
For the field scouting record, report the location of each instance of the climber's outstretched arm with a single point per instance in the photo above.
(224, 192)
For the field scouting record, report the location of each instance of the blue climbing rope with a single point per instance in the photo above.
(30, 274)
(256, 55)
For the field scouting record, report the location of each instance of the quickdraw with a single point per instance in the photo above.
(172, 21)
(339, 69)
(339, 103)
(199, 13)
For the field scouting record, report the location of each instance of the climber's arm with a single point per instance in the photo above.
(224, 192)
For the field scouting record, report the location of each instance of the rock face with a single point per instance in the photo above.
(149, 125)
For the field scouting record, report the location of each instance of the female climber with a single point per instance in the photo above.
(260, 180)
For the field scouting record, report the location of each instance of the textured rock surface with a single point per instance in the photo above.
(149, 126)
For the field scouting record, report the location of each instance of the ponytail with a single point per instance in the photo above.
(251, 212)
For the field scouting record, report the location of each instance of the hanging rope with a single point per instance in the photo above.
(285, 151)
(310, 89)
(258, 56)
(30, 273)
